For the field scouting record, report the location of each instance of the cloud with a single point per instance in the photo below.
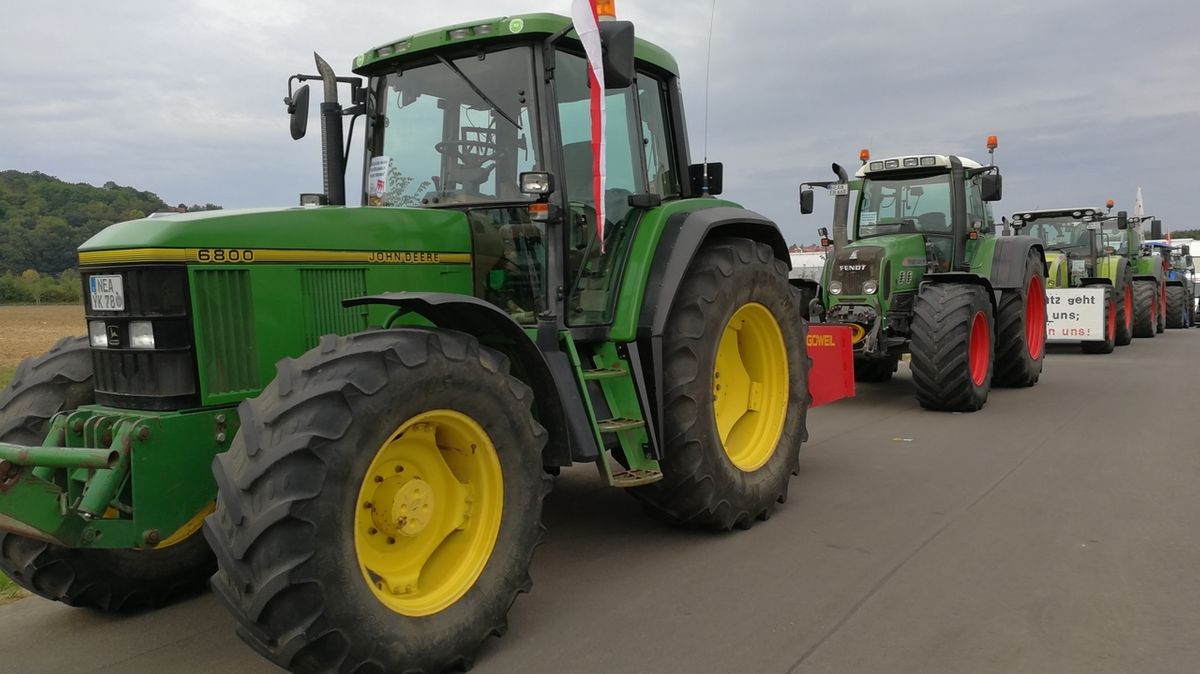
(1090, 99)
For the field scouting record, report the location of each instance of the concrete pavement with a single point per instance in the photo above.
(1054, 531)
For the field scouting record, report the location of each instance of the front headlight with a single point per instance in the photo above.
(835, 287)
(141, 335)
(870, 286)
(97, 334)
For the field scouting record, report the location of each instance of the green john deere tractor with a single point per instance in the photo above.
(388, 390)
(924, 274)
(1078, 257)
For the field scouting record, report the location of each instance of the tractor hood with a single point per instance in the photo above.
(877, 257)
(387, 231)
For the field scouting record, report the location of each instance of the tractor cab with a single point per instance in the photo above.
(493, 120)
(1074, 238)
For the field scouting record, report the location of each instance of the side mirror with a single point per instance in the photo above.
(1122, 220)
(716, 171)
(617, 39)
(991, 186)
(1156, 229)
(1186, 250)
(806, 202)
(297, 107)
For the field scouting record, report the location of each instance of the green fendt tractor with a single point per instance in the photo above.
(1149, 270)
(1090, 291)
(924, 274)
(388, 390)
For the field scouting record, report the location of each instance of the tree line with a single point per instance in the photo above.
(44, 219)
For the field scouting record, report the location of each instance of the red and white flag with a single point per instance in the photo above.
(587, 25)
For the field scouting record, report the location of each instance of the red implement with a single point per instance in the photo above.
(831, 376)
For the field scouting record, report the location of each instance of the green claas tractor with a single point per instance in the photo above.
(924, 274)
(1133, 266)
(363, 408)
(1089, 286)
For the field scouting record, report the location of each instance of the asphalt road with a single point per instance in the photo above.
(1055, 531)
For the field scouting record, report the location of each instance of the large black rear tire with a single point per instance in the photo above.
(1110, 324)
(702, 484)
(952, 354)
(1177, 307)
(105, 579)
(1160, 324)
(1021, 329)
(1145, 308)
(290, 525)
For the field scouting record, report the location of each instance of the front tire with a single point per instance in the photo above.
(1110, 326)
(98, 578)
(380, 505)
(1145, 309)
(1124, 288)
(1021, 329)
(735, 375)
(952, 354)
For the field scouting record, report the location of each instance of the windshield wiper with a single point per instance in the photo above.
(477, 90)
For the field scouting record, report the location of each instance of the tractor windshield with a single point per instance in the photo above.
(1063, 233)
(904, 205)
(455, 131)
(1115, 240)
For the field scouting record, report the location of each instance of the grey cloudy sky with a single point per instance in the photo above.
(1090, 98)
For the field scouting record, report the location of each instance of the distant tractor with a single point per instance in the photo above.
(1090, 292)
(924, 273)
(364, 407)
(1179, 287)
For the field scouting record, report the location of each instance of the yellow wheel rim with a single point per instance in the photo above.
(190, 527)
(750, 386)
(428, 512)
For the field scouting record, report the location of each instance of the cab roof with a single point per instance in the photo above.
(1056, 212)
(922, 161)
(523, 25)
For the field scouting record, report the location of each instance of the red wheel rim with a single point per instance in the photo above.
(1112, 321)
(1035, 318)
(1129, 306)
(979, 348)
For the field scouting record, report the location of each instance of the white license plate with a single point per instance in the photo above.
(839, 189)
(108, 293)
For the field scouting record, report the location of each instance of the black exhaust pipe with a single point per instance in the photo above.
(333, 159)
(841, 208)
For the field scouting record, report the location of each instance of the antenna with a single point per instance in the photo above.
(707, 74)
